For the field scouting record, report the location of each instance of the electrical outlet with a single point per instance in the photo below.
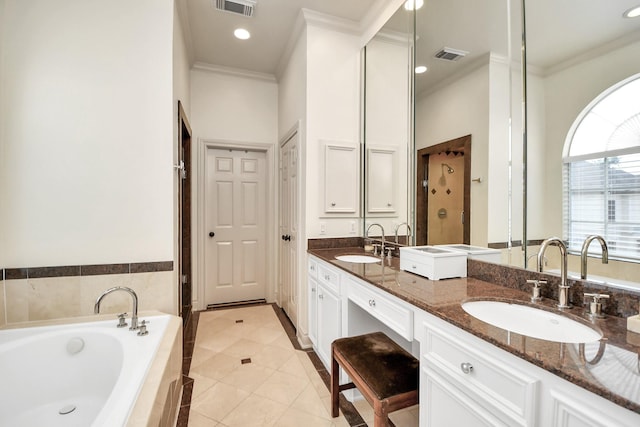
(352, 227)
(323, 228)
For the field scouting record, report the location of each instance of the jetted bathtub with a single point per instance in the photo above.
(80, 374)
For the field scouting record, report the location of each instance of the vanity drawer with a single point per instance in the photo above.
(312, 268)
(487, 379)
(330, 277)
(383, 307)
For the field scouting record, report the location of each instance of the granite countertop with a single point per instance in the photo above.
(615, 376)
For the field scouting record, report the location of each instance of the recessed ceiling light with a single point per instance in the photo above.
(421, 69)
(242, 34)
(632, 13)
(413, 4)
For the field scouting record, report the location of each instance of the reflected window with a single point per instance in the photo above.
(602, 173)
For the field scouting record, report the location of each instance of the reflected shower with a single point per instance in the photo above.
(449, 168)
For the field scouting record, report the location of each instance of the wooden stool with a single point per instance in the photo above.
(385, 373)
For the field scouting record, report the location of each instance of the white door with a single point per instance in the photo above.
(235, 251)
(289, 227)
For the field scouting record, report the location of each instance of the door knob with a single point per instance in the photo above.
(211, 234)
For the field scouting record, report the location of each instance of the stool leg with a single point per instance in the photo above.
(380, 416)
(335, 385)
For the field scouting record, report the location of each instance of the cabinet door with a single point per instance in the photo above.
(313, 310)
(447, 406)
(381, 180)
(341, 179)
(329, 324)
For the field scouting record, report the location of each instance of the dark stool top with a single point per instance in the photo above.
(384, 366)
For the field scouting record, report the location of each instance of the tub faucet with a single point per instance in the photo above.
(585, 249)
(134, 315)
(398, 228)
(563, 291)
(366, 234)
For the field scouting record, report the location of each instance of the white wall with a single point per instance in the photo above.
(458, 109)
(233, 107)
(88, 148)
(333, 114)
(292, 88)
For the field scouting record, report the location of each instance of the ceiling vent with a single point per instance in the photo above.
(448, 54)
(240, 7)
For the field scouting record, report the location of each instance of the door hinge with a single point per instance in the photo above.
(425, 183)
(185, 279)
(180, 167)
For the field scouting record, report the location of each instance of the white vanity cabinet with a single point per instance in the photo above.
(312, 302)
(467, 383)
(325, 322)
(464, 380)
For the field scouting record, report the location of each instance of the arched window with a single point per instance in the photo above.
(602, 172)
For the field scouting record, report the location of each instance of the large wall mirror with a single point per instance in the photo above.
(470, 137)
(578, 51)
(461, 67)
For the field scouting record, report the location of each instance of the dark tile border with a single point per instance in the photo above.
(86, 270)
(190, 330)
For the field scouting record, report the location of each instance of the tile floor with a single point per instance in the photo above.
(246, 372)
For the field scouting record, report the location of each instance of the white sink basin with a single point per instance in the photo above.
(358, 259)
(531, 321)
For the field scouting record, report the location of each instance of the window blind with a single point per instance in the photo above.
(602, 196)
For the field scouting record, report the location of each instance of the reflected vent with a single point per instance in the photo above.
(240, 7)
(448, 54)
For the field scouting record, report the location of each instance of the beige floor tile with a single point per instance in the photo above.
(283, 388)
(265, 335)
(341, 421)
(293, 366)
(218, 401)
(296, 418)
(319, 385)
(283, 342)
(196, 419)
(404, 417)
(255, 411)
(200, 384)
(200, 355)
(310, 402)
(272, 356)
(243, 348)
(217, 366)
(216, 341)
(248, 377)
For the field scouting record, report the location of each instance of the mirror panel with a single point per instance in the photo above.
(576, 50)
(387, 125)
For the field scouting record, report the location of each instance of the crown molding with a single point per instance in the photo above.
(236, 72)
(317, 19)
(596, 52)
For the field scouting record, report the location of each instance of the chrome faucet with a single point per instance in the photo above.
(585, 250)
(134, 315)
(366, 234)
(563, 291)
(398, 228)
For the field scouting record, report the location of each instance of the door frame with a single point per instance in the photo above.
(458, 144)
(184, 207)
(205, 144)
